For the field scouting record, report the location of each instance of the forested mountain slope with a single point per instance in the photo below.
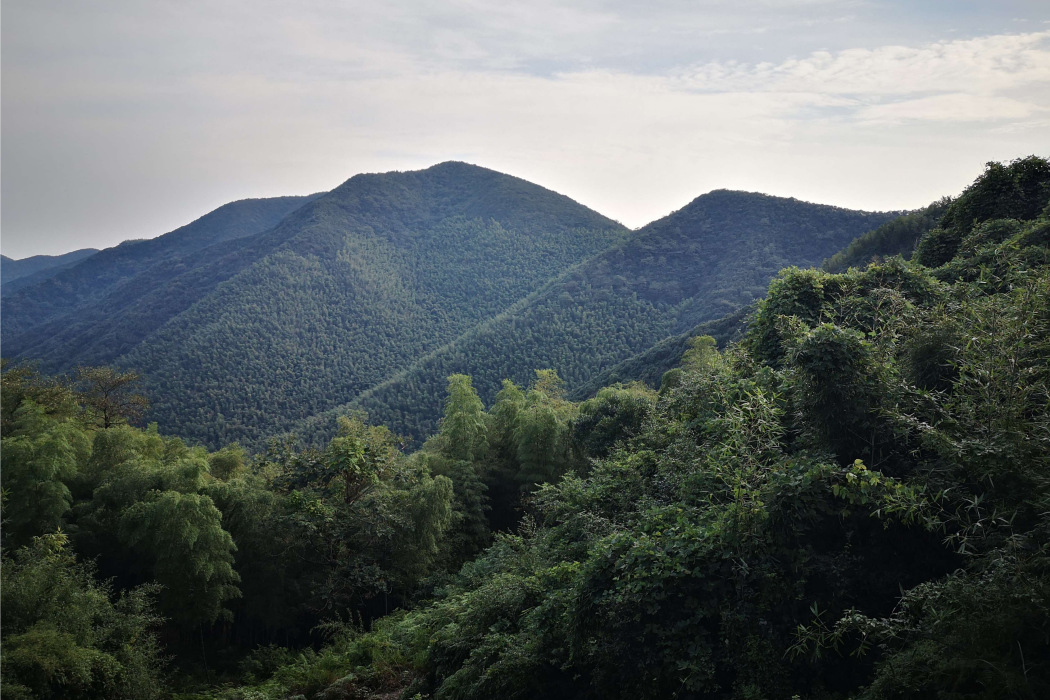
(649, 366)
(72, 302)
(39, 266)
(709, 258)
(349, 290)
(896, 237)
(850, 502)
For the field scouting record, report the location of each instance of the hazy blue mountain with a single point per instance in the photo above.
(37, 267)
(109, 280)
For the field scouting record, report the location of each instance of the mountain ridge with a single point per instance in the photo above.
(16, 274)
(97, 277)
(364, 296)
(660, 282)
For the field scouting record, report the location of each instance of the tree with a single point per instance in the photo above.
(192, 554)
(463, 427)
(113, 395)
(65, 637)
(41, 455)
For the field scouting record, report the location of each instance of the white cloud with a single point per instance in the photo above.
(138, 122)
(955, 107)
(982, 66)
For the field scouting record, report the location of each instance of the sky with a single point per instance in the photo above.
(126, 119)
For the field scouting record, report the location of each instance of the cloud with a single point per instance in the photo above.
(954, 107)
(982, 66)
(131, 121)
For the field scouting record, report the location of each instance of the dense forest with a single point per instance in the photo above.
(313, 301)
(15, 274)
(710, 258)
(846, 495)
(50, 317)
(280, 314)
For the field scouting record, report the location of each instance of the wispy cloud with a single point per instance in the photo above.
(988, 78)
(138, 117)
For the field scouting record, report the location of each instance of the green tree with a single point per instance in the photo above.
(463, 429)
(42, 455)
(64, 635)
(113, 396)
(181, 534)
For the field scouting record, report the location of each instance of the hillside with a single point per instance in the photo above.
(268, 312)
(62, 313)
(851, 501)
(244, 336)
(707, 259)
(650, 365)
(896, 237)
(38, 267)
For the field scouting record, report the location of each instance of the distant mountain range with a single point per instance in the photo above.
(277, 312)
(36, 268)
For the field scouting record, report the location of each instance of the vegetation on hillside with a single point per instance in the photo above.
(16, 274)
(369, 296)
(384, 270)
(80, 300)
(713, 256)
(896, 237)
(241, 338)
(852, 501)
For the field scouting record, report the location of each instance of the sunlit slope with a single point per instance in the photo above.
(711, 257)
(358, 285)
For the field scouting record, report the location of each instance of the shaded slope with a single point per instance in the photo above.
(695, 265)
(101, 332)
(38, 267)
(650, 365)
(354, 287)
(896, 237)
(97, 280)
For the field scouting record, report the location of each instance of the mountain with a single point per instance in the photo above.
(896, 237)
(270, 313)
(241, 337)
(650, 365)
(71, 303)
(38, 267)
(712, 257)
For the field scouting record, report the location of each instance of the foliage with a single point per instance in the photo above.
(248, 554)
(664, 280)
(1019, 190)
(41, 455)
(65, 636)
(850, 503)
(896, 237)
(853, 501)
